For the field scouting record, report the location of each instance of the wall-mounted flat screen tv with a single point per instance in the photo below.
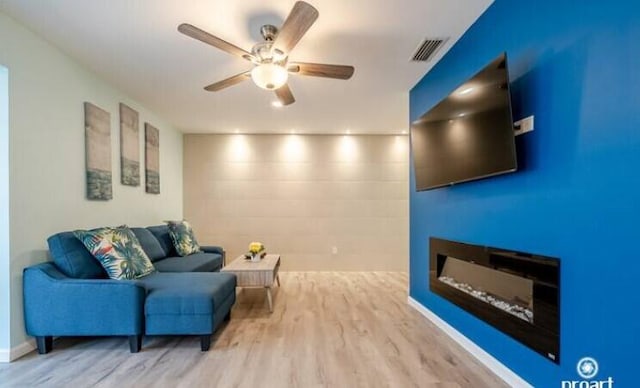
(468, 135)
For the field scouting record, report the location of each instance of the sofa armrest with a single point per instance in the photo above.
(215, 249)
(55, 305)
(212, 249)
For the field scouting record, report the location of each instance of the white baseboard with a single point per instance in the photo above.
(485, 358)
(8, 355)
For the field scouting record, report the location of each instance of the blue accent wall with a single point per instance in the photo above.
(575, 65)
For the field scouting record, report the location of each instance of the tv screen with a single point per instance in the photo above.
(469, 135)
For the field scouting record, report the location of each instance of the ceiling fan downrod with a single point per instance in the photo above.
(269, 32)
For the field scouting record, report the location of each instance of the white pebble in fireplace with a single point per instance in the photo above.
(521, 312)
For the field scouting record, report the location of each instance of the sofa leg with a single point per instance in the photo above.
(205, 342)
(44, 344)
(135, 343)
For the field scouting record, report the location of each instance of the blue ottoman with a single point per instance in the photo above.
(188, 303)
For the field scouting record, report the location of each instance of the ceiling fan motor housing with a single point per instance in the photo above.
(263, 51)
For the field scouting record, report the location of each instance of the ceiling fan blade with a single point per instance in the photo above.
(302, 16)
(225, 83)
(321, 70)
(203, 36)
(284, 95)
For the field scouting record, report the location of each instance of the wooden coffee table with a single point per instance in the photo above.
(256, 274)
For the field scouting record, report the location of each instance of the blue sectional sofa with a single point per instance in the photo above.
(72, 296)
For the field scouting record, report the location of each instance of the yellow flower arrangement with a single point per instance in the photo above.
(256, 247)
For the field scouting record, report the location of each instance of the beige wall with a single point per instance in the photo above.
(47, 90)
(302, 196)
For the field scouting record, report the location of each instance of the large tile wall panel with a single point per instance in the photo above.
(302, 196)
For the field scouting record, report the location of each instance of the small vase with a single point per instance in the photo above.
(255, 258)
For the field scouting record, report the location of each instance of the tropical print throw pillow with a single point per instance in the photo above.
(183, 238)
(118, 250)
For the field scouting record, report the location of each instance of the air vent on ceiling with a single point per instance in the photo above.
(427, 49)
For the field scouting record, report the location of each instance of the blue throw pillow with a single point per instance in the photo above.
(183, 238)
(118, 250)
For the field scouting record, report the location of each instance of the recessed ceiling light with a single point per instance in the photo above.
(461, 114)
(466, 91)
(276, 104)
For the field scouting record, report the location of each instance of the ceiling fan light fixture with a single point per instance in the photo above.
(269, 76)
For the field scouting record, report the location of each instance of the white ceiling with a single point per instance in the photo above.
(134, 45)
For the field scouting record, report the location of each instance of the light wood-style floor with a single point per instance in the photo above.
(328, 329)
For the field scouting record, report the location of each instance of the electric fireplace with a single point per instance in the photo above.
(518, 293)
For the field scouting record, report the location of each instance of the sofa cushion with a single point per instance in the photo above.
(187, 293)
(119, 252)
(149, 243)
(198, 262)
(184, 240)
(161, 232)
(72, 258)
(187, 303)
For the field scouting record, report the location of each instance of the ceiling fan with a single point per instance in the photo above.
(271, 57)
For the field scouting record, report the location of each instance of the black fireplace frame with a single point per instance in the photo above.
(543, 335)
